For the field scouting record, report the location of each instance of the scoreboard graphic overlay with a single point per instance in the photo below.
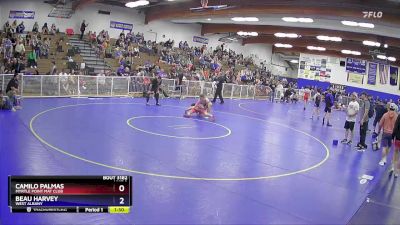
(70, 194)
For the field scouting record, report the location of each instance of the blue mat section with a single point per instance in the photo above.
(259, 163)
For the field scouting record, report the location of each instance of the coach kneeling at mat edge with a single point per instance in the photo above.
(5, 103)
(12, 91)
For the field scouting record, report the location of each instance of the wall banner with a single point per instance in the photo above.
(356, 66)
(355, 78)
(372, 70)
(394, 75)
(20, 14)
(383, 73)
(201, 40)
(121, 26)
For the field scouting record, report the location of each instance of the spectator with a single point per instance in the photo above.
(32, 60)
(20, 28)
(53, 70)
(53, 30)
(83, 28)
(14, 26)
(60, 45)
(19, 49)
(396, 141)
(364, 109)
(387, 124)
(7, 27)
(380, 110)
(35, 28)
(45, 29)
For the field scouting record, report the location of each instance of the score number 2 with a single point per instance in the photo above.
(121, 188)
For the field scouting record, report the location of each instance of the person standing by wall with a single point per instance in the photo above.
(387, 125)
(364, 109)
(317, 101)
(83, 28)
(352, 111)
(380, 110)
(396, 141)
(328, 108)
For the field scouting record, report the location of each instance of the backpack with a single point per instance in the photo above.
(371, 111)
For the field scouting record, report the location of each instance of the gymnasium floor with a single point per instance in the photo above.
(259, 163)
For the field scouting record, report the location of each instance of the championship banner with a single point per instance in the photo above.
(356, 66)
(201, 40)
(383, 73)
(394, 75)
(15, 14)
(355, 78)
(372, 70)
(121, 26)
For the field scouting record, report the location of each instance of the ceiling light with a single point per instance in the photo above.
(372, 43)
(385, 45)
(295, 20)
(137, 3)
(280, 35)
(242, 33)
(209, 19)
(350, 23)
(355, 24)
(316, 48)
(327, 38)
(279, 45)
(337, 39)
(288, 35)
(306, 20)
(294, 61)
(349, 52)
(290, 19)
(381, 57)
(366, 25)
(391, 59)
(245, 19)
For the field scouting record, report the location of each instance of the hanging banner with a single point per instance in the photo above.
(201, 40)
(18, 14)
(372, 70)
(356, 66)
(355, 78)
(383, 73)
(121, 26)
(394, 75)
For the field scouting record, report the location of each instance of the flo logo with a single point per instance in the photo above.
(373, 14)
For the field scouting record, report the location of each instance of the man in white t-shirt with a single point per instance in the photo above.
(352, 111)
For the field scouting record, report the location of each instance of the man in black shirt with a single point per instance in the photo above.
(221, 79)
(83, 28)
(12, 90)
(154, 89)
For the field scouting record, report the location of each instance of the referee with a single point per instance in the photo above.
(154, 89)
(221, 79)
